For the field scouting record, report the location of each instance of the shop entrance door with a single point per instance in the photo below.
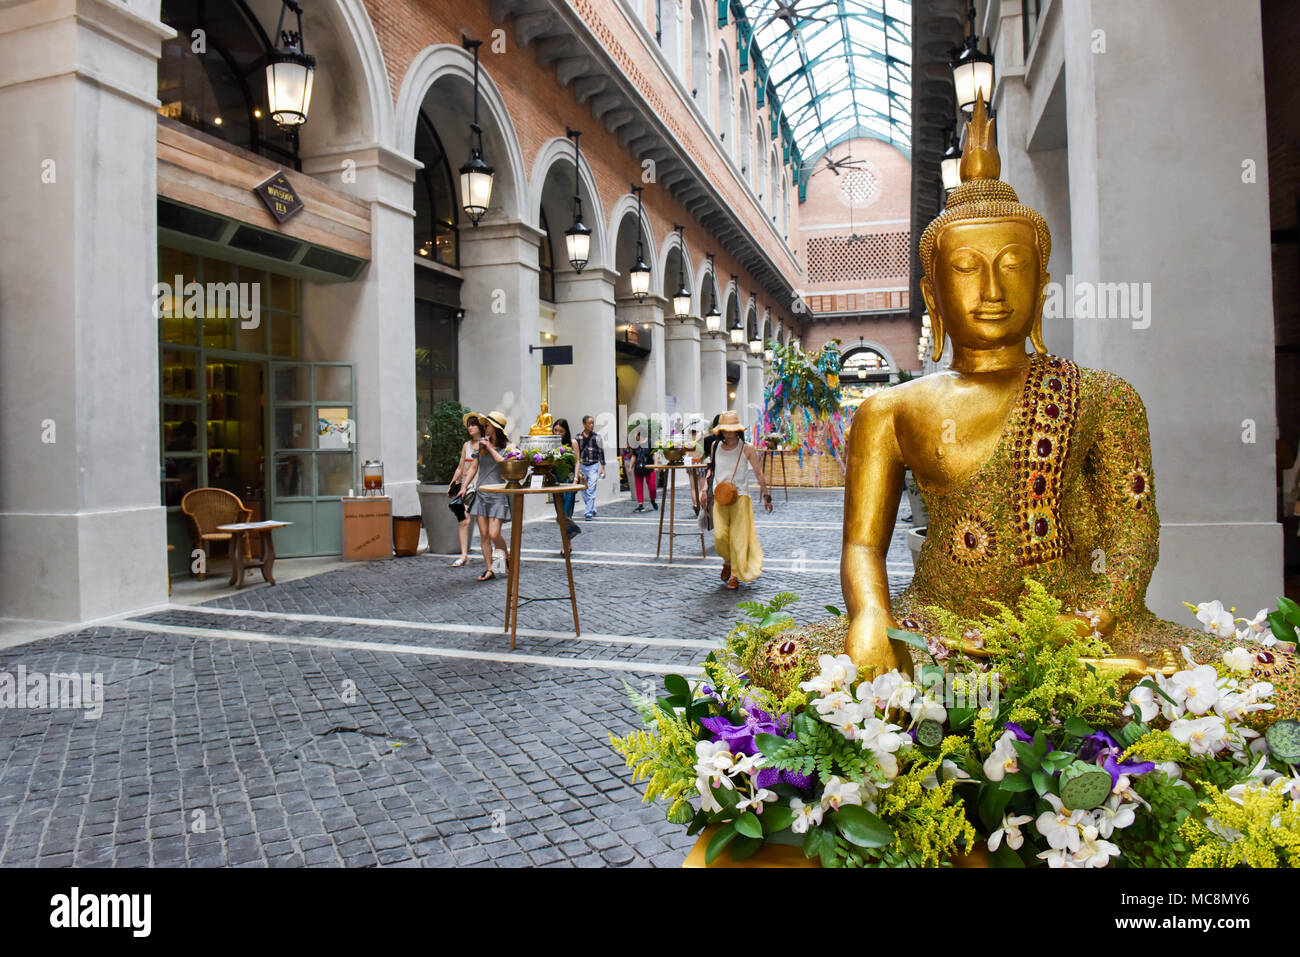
(313, 439)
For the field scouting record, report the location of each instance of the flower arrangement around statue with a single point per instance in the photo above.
(1028, 757)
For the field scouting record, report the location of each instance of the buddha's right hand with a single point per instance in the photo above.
(869, 645)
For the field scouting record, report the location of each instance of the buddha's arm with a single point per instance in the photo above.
(1119, 470)
(873, 485)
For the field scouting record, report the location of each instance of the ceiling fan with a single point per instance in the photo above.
(793, 18)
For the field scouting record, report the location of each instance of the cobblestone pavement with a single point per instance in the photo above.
(375, 715)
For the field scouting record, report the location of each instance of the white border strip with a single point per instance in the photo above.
(338, 644)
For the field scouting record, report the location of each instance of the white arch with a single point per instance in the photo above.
(559, 149)
(624, 205)
(861, 344)
(672, 241)
(725, 121)
(701, 274)
(444, 59)
(349, 21)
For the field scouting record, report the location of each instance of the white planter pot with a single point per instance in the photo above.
(915, 539)
(440, 526)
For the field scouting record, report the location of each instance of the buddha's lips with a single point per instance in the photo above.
(992, 315)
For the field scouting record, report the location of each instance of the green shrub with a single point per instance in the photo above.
(444, 434)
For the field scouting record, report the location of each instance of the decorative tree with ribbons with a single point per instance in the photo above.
(801, 402)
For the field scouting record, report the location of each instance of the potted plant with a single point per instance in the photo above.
(440, 445)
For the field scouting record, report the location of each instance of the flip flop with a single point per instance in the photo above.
(487, 576)
(733, 584)
(726, 571)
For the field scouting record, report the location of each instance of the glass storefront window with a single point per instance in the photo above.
(436, 199)
(334, 383)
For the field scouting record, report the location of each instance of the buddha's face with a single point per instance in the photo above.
(988, 283)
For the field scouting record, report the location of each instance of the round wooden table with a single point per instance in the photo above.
(670, 500)
(516, 555)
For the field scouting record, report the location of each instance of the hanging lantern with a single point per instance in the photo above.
(475, 176)
(682, 297)
(289, 73)
(972, 70)
(577, 238)
(767, 355)
(738, 334)
(639, 274)
(950, 164)
(713, 318)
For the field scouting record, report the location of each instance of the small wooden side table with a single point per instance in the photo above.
(516, 555)
(780, 454)
(239, 560)
(670, 500)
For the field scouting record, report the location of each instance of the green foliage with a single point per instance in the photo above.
(1037, 654)
(931, 823)
(819, 749)
(771, 613)
(1154, 838)
(1285, 621)
(666, 760)
(444, 435)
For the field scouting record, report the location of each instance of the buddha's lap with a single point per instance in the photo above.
(790, 656)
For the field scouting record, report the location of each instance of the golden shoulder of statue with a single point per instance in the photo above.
(543, 425)
(1030, 465)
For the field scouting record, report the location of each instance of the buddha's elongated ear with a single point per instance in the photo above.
(936, 321)
(1036, 330)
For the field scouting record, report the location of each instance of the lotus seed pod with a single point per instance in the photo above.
(929, 733)
(1283, 739)
(1084, 786)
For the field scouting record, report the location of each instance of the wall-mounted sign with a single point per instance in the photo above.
(279, 197)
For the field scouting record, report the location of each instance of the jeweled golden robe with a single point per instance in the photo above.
(1066, 498)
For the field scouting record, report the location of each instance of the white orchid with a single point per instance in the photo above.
(1239, 660)
(1095, 853)
(748, 764)
(805, 816)
(713, 765)
(1174, 773)
(1142, 703)
(761, 796)
(1216, 619)
(1010, 829)
(884, 740)
(877, 694)
(837, 673)
(1197, 688)
(1059, 858)
(1060, 826)
(838, 792)
(1003, 760)
(1206, 735)
(1113, 816)
(1257, 629)
(829, 704)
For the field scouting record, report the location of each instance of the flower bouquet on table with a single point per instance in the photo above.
(1026, 757)
(672, 447)
(555, 463)
(514, 468)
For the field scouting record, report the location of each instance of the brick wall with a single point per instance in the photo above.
(541, 109)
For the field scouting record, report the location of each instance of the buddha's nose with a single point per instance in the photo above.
(992, 288)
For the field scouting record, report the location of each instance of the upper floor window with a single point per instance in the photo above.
(212, 76)
(546, 264)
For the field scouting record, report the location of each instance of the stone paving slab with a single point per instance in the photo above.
(217, 751)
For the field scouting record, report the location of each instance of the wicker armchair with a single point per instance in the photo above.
(206, 508)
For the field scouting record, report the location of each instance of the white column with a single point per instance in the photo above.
(502, 319)
(1169, 195)
(753, 391)
(648, 398)
(737, 355)
(713, 376)
(82, 528)
(584, 319)
(683, 372)
(371, 322)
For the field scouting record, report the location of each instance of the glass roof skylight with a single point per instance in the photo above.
(839, 68)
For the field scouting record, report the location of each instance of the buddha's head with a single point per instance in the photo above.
(984, 258)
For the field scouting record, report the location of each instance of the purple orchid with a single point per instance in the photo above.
(1100, 748)
(1023, 735)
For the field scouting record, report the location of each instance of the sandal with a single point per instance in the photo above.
(733, 583)
(726, 570)
(487, 576)
(460, 562)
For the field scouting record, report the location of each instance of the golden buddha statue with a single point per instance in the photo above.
(1030, 465)
(543, 425)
